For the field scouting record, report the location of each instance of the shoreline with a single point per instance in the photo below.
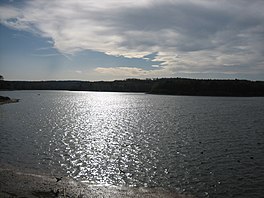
(7, 100)
(162, 86)
(17, 183)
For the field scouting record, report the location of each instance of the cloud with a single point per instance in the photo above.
(78, 72)
(122, 71)
(185, 36)
(130, 72)
(45, 55)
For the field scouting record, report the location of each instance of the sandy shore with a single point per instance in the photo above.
(15, 183)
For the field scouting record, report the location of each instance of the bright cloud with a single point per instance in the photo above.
(131, 72)
(187, 36)
(122, 71)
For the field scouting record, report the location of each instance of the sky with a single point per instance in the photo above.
(118, 39)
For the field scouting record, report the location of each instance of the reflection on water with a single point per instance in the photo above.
(107, 139)
(208, 146)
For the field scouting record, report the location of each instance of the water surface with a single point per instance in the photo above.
(208, 146)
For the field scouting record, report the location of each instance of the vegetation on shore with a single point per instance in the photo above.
(193, 87)
(170, 86)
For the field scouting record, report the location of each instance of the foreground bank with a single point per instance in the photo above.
(6, 100)
(14, 183)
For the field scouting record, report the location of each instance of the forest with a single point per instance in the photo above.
(169, 86)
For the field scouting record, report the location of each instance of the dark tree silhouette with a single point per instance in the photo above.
(171, 86)
(1, 77)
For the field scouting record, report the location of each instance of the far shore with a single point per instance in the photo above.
(164, 86)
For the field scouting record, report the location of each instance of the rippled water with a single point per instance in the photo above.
(208, 146)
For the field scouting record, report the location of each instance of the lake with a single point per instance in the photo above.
(207, 146)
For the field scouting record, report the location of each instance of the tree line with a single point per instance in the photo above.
(170, 86)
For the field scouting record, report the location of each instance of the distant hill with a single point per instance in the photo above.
(170, 86)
